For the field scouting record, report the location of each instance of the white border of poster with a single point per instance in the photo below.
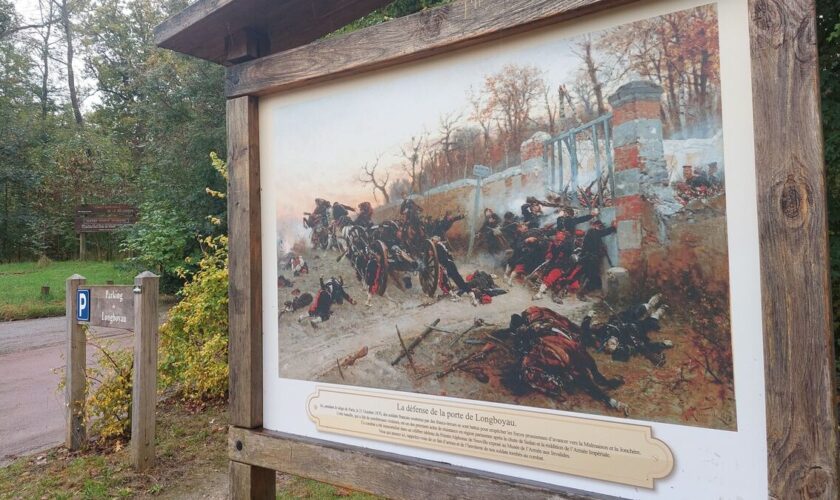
(708, 463)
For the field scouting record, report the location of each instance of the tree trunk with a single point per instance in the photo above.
(593, 77)
(71, 81)
(45, 60)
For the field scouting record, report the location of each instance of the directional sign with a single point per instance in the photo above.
(82, 305)
(112, 306)
(104, 218)
(481, 171)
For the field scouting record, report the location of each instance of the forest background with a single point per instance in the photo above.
(92, 112)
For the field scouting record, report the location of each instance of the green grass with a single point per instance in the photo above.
(191, 461)
(20, 285)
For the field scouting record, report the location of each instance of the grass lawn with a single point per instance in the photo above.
(191, 463)
(20, 285)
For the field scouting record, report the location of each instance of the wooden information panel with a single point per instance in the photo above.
(641, 310)
(104, 218)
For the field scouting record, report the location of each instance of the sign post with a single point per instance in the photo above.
(479, 172)
(115, 306)
(78, 309)
(101, 219)
(144, 390)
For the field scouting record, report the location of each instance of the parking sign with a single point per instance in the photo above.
(83, 305)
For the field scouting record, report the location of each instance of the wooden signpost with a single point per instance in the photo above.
(101, 219)
(797, 423)
(131, 307)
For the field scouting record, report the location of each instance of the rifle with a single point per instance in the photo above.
(537, 269)
(461, 363)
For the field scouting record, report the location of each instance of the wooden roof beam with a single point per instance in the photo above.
(233, 31)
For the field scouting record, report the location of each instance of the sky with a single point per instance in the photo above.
(30, 13)
(316, 140)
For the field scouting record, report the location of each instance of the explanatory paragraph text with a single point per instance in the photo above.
(616, 452)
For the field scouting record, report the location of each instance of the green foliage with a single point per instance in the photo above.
(828, 44)
(194, 342)
(108, 406)
(395, 9)
(159, 239)
(20, 295)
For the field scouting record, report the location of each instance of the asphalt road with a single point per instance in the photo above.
(31, 407)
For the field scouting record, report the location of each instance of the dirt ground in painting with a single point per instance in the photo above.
(681, 392)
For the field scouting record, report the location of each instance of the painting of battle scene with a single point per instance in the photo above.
(542, 225)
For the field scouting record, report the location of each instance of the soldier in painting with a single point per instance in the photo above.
(560, 272)
(592, 254)
(626, 334)
(531, 212)
(490, 232)
(340, 210)
(331, 292)
(365, 215)
(439, 227)
(410, 212)
(528, 253)
(567, 221)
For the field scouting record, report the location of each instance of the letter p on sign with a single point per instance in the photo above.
(83, 305)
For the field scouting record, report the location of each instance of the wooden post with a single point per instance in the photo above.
(793, 234)
(82, 249)
(245, 290)
(144, 384)
(74, 388)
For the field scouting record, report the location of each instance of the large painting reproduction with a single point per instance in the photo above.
(544, 227)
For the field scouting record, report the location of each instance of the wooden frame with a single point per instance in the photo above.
(801, 421)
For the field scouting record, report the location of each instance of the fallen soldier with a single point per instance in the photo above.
(626, 334)
(482, 288)
(331, 292)
(553, 360)
(299, 301)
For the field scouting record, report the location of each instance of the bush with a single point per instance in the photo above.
(194, 342)
(158, 241)
(108, 406)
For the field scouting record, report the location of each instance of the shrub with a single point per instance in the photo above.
(108, 406)
(194, 342)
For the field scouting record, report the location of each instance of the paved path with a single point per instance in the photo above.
(31, 408)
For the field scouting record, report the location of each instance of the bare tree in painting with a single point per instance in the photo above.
(510, 96)
(552, 110)
(678, 51)
(447, 126)
(585, 47)
(368, 176)
(413, 153)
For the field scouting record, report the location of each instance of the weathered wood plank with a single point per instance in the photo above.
(245, 287)
(801, 423)
(386, 474)
(74, 372)
(144, 381)
(201, 29)
(249, 482)
(426, 33)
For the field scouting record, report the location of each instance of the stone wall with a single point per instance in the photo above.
(657, 239)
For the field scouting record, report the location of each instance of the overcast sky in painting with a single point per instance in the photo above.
(321, 137)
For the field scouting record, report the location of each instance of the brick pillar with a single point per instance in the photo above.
(639, 165)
